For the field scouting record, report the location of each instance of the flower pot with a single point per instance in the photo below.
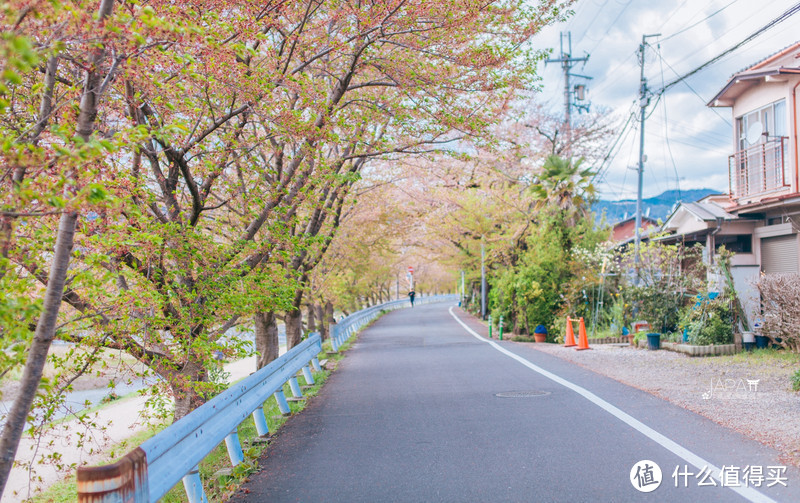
(748, 337)
(762, 341)
(540, 333)
(631, 340)
(653, 341)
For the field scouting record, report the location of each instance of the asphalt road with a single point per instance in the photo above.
(412, 414)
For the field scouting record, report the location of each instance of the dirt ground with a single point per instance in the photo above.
(748, 392)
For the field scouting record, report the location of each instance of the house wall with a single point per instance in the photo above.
(744, 280)
(740, 228)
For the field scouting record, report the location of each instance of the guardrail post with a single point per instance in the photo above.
(315, 362)
(193, 486)
(261, 422)
(335, 339)
(126, 480)
(307, 375)
(295, 387)
(234, 448)
(283, 405)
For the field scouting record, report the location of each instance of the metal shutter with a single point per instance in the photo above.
(779, 254)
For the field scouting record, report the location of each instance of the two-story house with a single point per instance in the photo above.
(760, 217)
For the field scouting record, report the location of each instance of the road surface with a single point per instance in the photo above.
(424, 409)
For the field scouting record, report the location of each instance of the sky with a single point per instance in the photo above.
(687, 144)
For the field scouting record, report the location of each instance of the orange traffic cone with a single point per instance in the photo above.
(569, 340)
(583, 341)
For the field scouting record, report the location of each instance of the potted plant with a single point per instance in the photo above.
(653, 341)
(540, 333)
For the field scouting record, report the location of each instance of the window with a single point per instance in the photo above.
(737, 243)
(772, 119)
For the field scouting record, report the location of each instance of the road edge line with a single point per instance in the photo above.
(746, 492)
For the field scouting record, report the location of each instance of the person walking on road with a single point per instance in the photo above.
(411, 297)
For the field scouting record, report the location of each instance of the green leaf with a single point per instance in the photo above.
(57, 202)
(96, 193)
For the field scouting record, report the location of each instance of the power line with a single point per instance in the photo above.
(703, 100)
(606, 161)
(791, 11)
(591, 22)
(674, 11)
(611, 26)
(666, 128)
(702, 20)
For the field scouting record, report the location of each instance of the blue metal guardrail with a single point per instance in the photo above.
(353, 323)
(149, 471)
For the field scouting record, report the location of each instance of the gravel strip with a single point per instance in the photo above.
(721, 388)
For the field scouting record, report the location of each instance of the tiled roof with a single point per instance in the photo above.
(708, 211)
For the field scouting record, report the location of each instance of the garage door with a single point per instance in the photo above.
(779, 254)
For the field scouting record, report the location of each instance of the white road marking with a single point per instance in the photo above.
(748, 493)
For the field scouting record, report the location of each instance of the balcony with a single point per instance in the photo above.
(757, 170)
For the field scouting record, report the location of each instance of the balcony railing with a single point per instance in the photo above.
(758, 169)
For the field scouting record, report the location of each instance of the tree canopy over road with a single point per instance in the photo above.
(173, 169)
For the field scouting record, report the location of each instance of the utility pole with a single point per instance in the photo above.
(644, 100)
(483, 281)
(567, 62)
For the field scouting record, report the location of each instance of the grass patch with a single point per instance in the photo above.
(521, 338)
(768, 355)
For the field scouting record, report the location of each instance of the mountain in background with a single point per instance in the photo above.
(659, 206)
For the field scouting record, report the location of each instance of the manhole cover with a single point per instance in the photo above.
(521, 394)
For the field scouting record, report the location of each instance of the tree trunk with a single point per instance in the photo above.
(294, 327)
(311, 323)
(329, 313)
(266, 335)
(37, 355)
(323, 327)
(293, 321)
(188, 388)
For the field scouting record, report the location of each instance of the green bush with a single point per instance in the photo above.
(659, 306)
(710, 322)
(796, 380)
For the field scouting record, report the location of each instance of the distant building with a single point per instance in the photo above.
(625, 230)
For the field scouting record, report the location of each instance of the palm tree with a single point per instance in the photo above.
(566, 186)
